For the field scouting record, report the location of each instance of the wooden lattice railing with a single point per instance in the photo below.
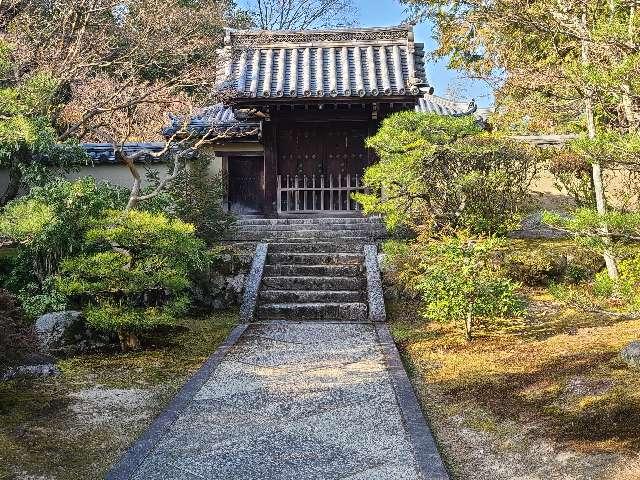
(312, 194)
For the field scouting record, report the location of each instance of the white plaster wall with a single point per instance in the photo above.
(240, 147)
(119, 174)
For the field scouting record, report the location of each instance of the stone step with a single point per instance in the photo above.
(308, 234)
(312, 270)
(315, 247)
(354, 312)
(358, 241)
(310, 221)
(311, 296)
(314, 258)
(373, 228)
(313, 283)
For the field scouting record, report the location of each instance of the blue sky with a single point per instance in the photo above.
(448, 83)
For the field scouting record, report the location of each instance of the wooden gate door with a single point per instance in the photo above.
(345, 150)
(246, 184)
(301, 150)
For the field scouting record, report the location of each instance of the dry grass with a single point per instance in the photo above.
(75, 426)
(543, 397)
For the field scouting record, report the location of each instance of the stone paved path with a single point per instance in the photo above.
(292, 401)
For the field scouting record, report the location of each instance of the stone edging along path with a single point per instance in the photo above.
(287, 400)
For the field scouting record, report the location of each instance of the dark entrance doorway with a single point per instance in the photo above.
(246, 184)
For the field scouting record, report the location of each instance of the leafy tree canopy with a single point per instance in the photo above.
(446, 172)
(28, 140)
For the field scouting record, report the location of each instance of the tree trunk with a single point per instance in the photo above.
(13, 187)
(468, 324)
(598, 184)
(633, 121)
(601, 206)
(128, 340)
(136, 188)
(628, 109)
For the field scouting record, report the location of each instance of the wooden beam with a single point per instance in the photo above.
(270, 168)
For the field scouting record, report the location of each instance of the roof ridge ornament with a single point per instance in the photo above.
(270, 37)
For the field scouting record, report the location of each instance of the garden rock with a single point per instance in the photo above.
(532, 226)
(236, 283)
(221, 287)
(67, 332)
(536, 266)
(34, 365)
(631, 354)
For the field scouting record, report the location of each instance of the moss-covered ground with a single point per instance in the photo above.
(76, 425)
(541, 397)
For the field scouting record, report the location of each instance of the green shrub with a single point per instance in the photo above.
(582, 264)
(626, 288)
(49, 225)
(136, 273)
(461, 281)
(446, 173)
(572, 173)
(402, 265)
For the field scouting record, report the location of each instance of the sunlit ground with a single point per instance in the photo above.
(76, 426)
(545, 394)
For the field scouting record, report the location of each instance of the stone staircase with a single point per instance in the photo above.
(314, 268)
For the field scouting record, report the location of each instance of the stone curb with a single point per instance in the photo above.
(430, 462)
(133, 458)
(375, 292)
(252, 284)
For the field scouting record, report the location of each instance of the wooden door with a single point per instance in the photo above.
(300, 150)
(246, 184)
(335, 148)
(346, 152)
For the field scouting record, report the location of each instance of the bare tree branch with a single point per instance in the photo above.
(302, 14)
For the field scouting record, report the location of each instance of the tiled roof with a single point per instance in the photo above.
(324, 63)
(435, 104)
(220, 117)
(103, 153)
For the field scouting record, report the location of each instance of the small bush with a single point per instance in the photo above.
(461, 281)
(582, 264)
(402, 266)
(626, 288)
(135, 274)
(17, 336)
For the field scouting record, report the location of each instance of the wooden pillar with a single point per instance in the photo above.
(270, 168)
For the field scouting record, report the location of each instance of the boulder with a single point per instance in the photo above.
(631, 354)
(236, 284)
(34, 365)
(535, 266)
(67, 332)
(532, 226)
(43, 370)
